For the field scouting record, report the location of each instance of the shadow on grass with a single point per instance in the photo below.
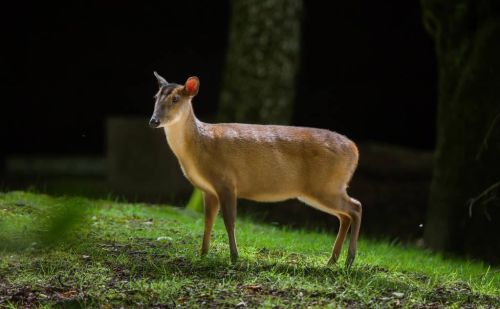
(147, 258)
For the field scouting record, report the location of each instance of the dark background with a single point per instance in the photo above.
(367, 69)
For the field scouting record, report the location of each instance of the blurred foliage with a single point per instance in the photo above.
(63, 220)
(59, 221)
(196, 201)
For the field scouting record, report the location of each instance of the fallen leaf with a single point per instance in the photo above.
(68, 294)
(253, 287)
(164, 238)
(181, 300)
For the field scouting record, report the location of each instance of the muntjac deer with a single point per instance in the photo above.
(264, 163)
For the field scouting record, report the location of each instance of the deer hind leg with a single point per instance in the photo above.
(348, 210)
(333, 205)
(355, 212)
(211, 206)
(345, 222)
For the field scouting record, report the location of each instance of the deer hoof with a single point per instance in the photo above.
(332, 261)
(349, 260)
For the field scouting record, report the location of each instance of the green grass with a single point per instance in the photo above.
(132, 255)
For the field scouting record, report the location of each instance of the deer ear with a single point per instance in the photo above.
(192, 86)
(161, 80)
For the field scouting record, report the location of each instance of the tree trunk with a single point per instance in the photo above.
(463, 214)
(262, 61)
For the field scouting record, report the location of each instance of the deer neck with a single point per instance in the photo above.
(183, 134)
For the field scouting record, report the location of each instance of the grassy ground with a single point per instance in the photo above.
(136, 255)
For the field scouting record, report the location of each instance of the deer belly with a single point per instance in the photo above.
(267, 197)
(268, 189)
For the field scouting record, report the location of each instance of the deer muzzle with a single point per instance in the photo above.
(154, 123)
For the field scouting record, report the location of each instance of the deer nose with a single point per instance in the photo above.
(154, 123)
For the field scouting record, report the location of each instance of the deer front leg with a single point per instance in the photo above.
(211, 206)
(227, 200)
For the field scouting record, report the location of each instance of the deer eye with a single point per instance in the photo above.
(175, 98)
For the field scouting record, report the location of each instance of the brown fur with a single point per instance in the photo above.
(263, 163)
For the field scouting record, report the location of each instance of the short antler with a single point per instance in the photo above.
(161, 80)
